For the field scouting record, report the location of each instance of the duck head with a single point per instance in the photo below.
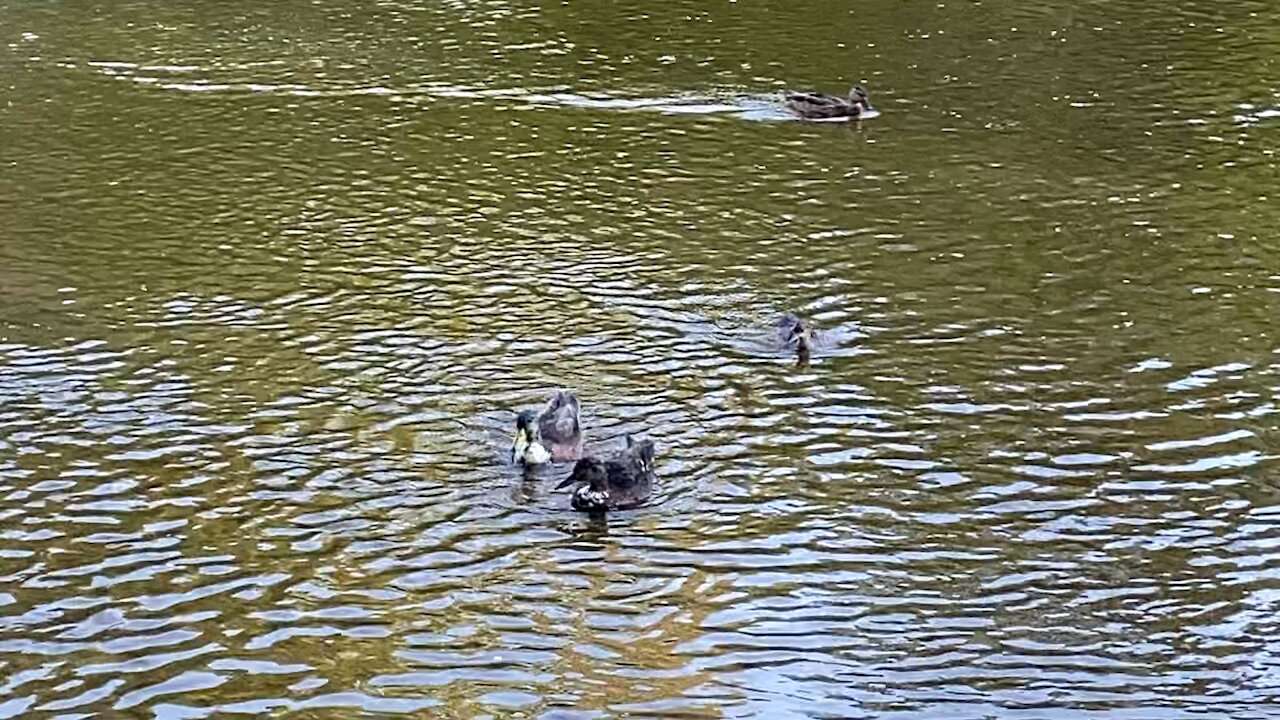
(804, 343)
(589, 473)
(527, 447)
(802, 351)
(858, 98)
(591, 477)
(796, 333)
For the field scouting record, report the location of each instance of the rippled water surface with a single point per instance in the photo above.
(275, 276)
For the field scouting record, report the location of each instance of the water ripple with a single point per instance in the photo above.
(275, 280)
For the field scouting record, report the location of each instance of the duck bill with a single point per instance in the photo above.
(520, 446)
(571, 480)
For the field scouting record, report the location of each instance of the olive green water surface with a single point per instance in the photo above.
(273, 277)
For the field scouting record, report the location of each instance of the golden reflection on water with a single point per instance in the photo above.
(274, 279)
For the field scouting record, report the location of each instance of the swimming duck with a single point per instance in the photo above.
(621, 482)
(796, 334)
(553, 435)
(817, 106)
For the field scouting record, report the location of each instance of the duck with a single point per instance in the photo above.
(795, 334)
(621, 482)
(553, 435)
(817, 106)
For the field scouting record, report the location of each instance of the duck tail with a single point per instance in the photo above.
(642, 449)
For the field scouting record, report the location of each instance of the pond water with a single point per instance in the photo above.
(274, 278)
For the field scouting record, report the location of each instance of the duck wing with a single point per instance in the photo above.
(630, 475)
(560, 427)
(810, 104)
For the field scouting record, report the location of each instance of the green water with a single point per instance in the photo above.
(273, 279)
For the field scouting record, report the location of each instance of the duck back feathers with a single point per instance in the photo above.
(819, 106)
(618, 483)
(560, 426)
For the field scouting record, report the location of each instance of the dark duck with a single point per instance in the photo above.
(621, 482)
(817, 106)
(796, 335)
(553, 435)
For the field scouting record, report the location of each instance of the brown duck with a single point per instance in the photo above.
(817, 106)
(621, 482)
